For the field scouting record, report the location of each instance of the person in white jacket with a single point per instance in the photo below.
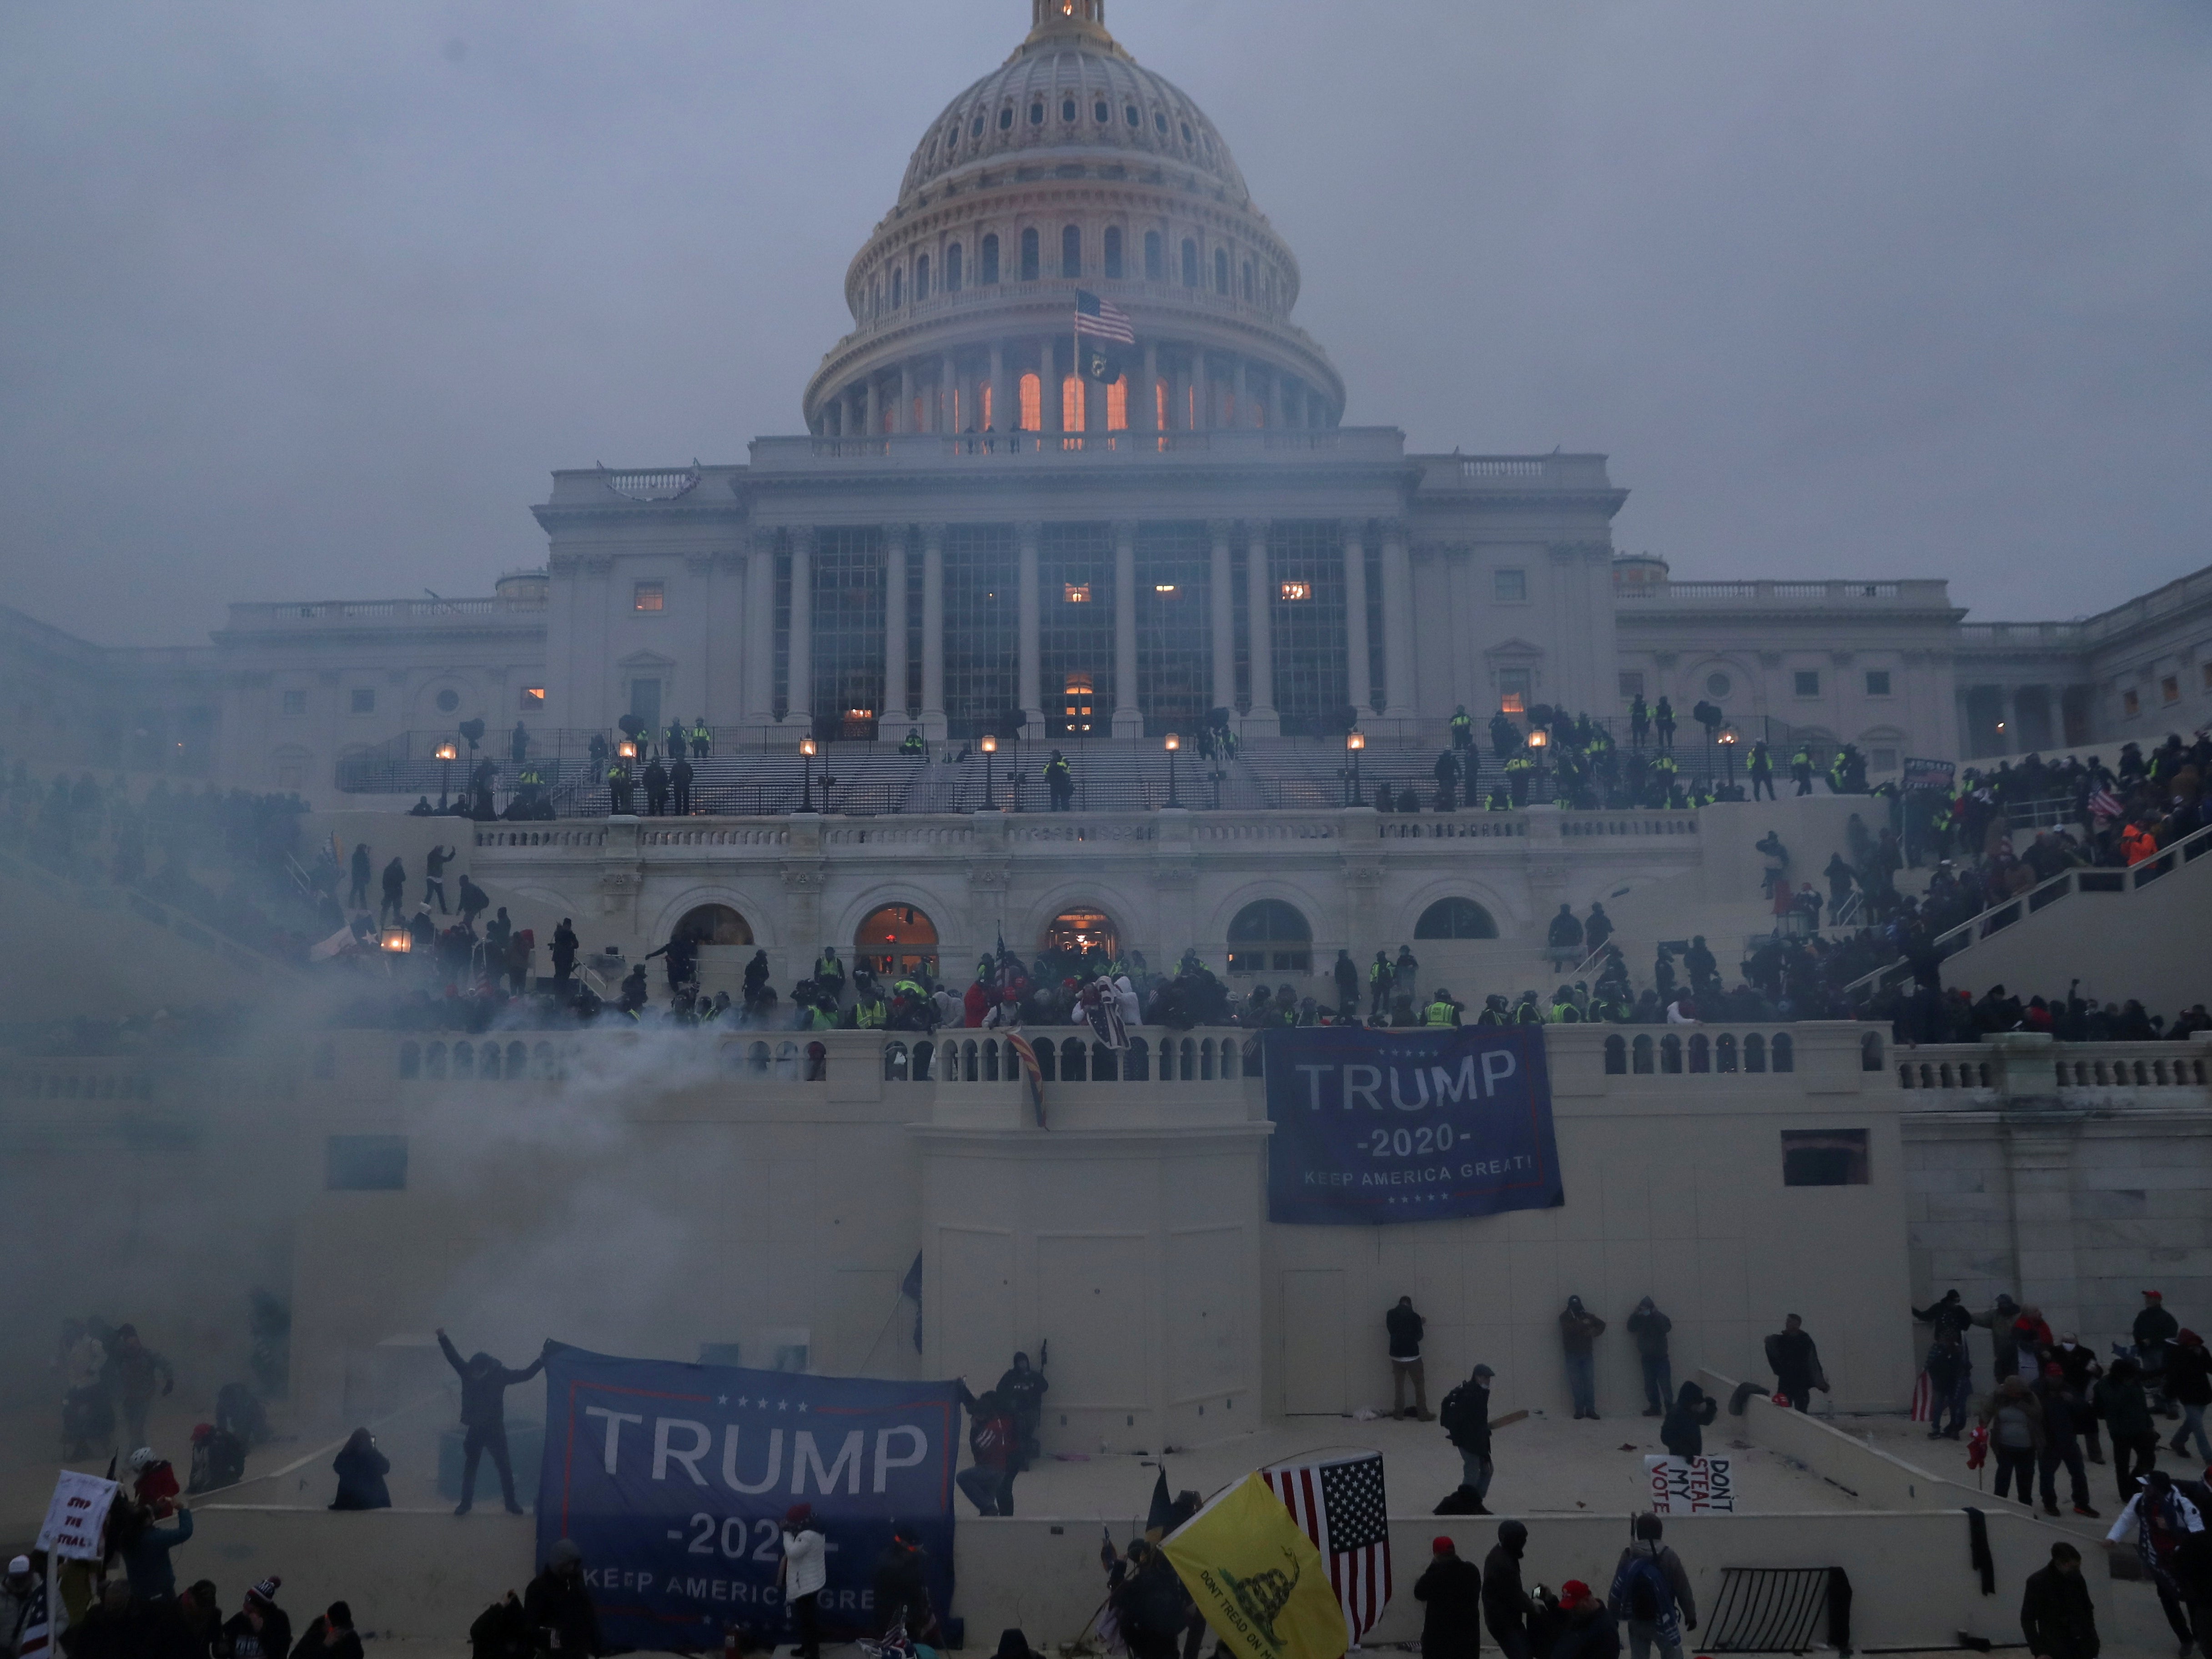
(802, 1572)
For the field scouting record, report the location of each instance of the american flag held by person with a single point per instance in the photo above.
(1103, 318)
(2104, 804)
(1338, 1503)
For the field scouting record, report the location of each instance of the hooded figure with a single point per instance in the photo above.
(1507, 1607)
(361, 1470)
(1021, 1389)
(557, 1609)
(1682, 1433)
(1451, 1591)
(1579, 1329)
(484, 1384)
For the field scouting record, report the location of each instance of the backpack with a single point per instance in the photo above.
(1451, 1412)
(1644, 1591)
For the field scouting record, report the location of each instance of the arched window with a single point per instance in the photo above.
(1189, 263)
(714, 924)
(1129, 113)
(1068, 109)
(1071, 252)
(1072, 1056)
(898, 289)
(1103, 1067)
(952, 271)
(1005, 117)
(1248, 282)
(1269, 936)
(1455, 918)
(1785, 1052)
(1030, 256)
(924, 1054)
(1701, 1058)
(1031, 413)
(896, 940)
(922, 279)
(1155, 266)
(1081, 930)
(1616, 1057)
(1100, 113)
(1724, 1053)
(895, 1062)
(1036, 111)
(1755, 1053)
(987, 275)
(1114, 250)
(1137, 1067)
(1221, 271)
(1670, 1055)
(990, 1062)
(518, 1062)
(1047, 1063)
(1642, 1056)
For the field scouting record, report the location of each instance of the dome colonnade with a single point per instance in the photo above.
(1070, 166)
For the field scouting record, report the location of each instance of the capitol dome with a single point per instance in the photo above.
(1071, 168)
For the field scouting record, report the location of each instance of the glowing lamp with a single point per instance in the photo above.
(448, 751)
(1539, 738)
(398, 940)
(990, 743)
(1355, 741)
(1173, 743)
(807, 747)
(627, 749)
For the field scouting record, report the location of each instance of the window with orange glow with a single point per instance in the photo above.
(1032, 405)
(1077, 702)
(985, 395)
(1076, 592)
(1292, 592)
(1071, 404)
(1160, 403)
(1117, 406)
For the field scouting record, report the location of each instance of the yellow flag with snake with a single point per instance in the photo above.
(1258, 1579)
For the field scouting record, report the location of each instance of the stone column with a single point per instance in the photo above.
(1357, 676)
(1129, 720)
(1002, 411)
(1030, 656)
(948, 394)
(1397, 624)
(1051, 411)
(1258, 592)
(1221, 609)
(2016, 733)
(1148, 419)
(760, 629)
(904, 422)
(1240, 389)
(798, 688)
(932, 631)
(1282, 399)
(894, 711)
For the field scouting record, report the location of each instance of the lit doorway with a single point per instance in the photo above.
(1075, 932)
(897, 941)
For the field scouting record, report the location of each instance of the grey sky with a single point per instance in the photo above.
(305, 299)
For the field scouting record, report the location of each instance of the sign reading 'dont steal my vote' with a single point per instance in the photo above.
(1419, 1125)
(674, 1479)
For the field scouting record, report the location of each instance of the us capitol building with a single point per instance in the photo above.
(978, 533)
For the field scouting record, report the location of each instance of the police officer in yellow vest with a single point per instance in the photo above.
(870, 1013)
(703, 738)
(1442, 1010)
(1801, 768)
(1462, 728)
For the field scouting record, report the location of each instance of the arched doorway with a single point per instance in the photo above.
(1455, 918)
(1269, 936)
(1072, 932)
(714, 924)
(895, 940)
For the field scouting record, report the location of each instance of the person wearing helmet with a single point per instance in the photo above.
(1442, 1010)
(1496, 1010)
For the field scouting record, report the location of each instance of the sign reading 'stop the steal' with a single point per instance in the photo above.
(1425, 1125)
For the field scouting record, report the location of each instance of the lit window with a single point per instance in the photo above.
(1808, 681)
(1293, 591)
(1164, 588)
(533, 697)
(1117, 406)
(649, 596)
(1631, 685)
(1073, 417)
(1510, 586)
(1877, 682)
(1032, 404)
(2130, 704)
(1076, 700)
(364, 700)
(1513, 688)
(2169, 689)
(1076, 592)
(296, 702)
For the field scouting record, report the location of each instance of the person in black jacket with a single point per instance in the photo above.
(501, 1631)
(557, 1609)
(1451, 1588)
(2055, 1615)
(1507, 1607)
(330, 1637)
(361, 1470)
(1687, 1419)
(2189, 1385)
(484, 1384)
(259, 1630)
(1649, 1328)
(901, 1588)
(1405, 1328)
(1467, 1425)
(1796, 1363)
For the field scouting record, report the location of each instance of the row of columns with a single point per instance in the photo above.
(950, 400)
(1127, 719)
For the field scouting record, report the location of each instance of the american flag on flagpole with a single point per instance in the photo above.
(1338, 1503)
(1103, 318)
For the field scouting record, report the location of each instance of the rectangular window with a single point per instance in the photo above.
(1512, 587)
(982, 636)
(1294, 592)
(850, 610)
(1173, 626)
(1305, 567)
(533, 698)
(1076, 592)
(1513, 687)
(2130, 704)
(296, 702)
(1808, 681)
(364, 700)
(365, 1163)
(2169, 689)
(1075, 638)
(649, 596)
(1632, 686)
(1823, 1157)
(1877, 682)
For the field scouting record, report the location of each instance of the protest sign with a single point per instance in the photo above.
(76, 1516)
(1690, 1485)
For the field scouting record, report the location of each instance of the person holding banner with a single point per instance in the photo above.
(484, 1384)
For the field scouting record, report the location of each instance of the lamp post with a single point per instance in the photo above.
(447, 751)
(1727, 740)
(1538, 740)
(1355, 740)
(990, 746)
(1173, 743)
(806, 749)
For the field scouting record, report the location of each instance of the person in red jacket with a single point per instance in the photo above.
(989, 1481)
(976, 1005)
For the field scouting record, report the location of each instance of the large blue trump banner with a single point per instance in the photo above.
(674, 1479)
(1375, 1126)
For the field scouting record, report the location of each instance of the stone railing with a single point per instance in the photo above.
(1207, 447)
(1779, 593)
(340, 615)
(2027, 1069)
(124, 1077)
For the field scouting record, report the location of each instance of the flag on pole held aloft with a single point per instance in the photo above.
(1338, 1503)
(1101, 327)
(1259, 1580)
(1032, 1073)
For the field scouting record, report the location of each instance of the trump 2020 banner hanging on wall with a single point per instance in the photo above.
(1422, 1125)
(673, 1481)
